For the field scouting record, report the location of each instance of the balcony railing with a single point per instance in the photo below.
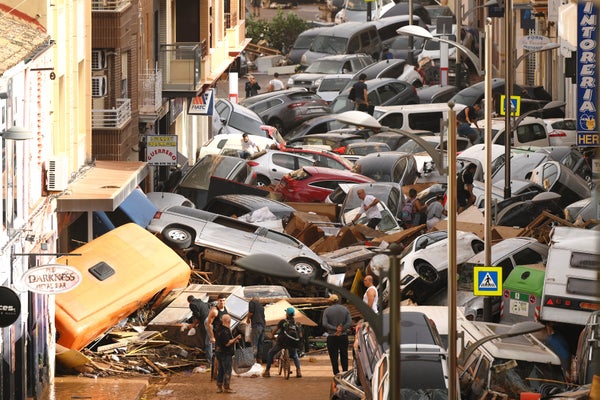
(110, 5)
(180, 66)
(114, 118)
(150, 92)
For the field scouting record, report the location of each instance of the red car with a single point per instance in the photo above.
(313, 184)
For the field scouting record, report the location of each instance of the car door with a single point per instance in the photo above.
(388, 94)
(531, 135)
(282, 163)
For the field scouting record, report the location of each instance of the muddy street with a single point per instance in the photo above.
(188, 385)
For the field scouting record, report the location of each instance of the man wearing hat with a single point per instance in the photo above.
(286, 340)
(337, 321)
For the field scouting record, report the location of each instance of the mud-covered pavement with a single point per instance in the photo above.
(188, 385)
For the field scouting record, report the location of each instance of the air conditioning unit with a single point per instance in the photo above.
(99, 88)
(99, 59)
(57, 174)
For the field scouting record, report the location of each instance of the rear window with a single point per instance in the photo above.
(333, 84)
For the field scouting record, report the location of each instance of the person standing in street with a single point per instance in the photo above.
(337, 321)
(213, 321)
(275, 83)
(252, 86)
(368, 207)
(256, 8)
(435, 211)
(224, 351)
(256, 319)
(371, 296)
(361, 100)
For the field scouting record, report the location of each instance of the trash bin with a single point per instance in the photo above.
(522, 294)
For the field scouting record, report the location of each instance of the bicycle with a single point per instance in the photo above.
(284, 363)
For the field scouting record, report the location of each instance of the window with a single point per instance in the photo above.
(425, 121)
(354, 45)
(284, 161)
(393, 120)
(527, 256)
(387, 93)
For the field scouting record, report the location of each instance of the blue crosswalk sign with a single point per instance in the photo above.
(515, 105)
(487, 281)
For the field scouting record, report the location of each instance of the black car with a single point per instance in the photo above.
(474, 95)
(380, 92)
(436, 93)
(390, 166)
(286, 109)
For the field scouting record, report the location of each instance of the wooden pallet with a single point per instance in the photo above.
(261, 50)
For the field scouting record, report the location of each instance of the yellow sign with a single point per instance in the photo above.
(515, 105)
(487, 281)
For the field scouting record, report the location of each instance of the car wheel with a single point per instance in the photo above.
(262, 181)
(305, 267)
(477, 246)
(427, 272)
(177, 237)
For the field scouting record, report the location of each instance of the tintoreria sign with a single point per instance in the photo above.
(587, 74)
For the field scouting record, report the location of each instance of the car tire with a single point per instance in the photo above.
(177, 237)
(427, 272)
(477, 246)
(262, 180)
(306, 267)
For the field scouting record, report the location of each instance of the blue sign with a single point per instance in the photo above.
(587, 73)
(488, 281)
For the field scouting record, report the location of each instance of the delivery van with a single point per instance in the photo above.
(572, 274)
(122, 271)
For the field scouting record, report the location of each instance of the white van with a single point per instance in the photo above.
(425, 117)
(572, 273)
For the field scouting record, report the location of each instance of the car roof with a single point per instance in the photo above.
(269, 95)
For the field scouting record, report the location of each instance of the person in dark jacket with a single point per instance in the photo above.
(256, 319)
(252, 87)
(224, 350)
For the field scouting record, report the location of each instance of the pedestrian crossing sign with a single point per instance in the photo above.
(487, 281)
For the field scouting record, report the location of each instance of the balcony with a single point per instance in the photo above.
(110, 5)
(180, 66)
(150, 96)
(114, 118)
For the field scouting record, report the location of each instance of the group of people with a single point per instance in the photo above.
(252, 87)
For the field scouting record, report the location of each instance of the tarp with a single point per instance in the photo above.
(276, 312)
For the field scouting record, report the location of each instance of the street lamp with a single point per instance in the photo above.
(275, 266)
(490, 3)
(415, 30)
(520, 328)
(508, 127)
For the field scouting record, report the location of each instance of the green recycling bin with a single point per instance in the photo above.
(522, 294)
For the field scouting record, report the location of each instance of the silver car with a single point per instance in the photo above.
(184, 227)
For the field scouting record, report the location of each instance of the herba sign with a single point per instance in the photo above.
(52, 279)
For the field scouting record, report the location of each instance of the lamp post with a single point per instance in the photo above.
(415, 30)
(272, 265)
(508, 83)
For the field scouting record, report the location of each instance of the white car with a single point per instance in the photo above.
(561, 131)
(271, 166)
(331, 85)
(424, 264)
(231, 144)
(230, 238)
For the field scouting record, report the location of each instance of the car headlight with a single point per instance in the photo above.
(290, 81)
(303, 60)
(317, 82)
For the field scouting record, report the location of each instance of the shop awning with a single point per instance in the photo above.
(103, 187)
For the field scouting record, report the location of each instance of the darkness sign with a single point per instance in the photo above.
(10, 307)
